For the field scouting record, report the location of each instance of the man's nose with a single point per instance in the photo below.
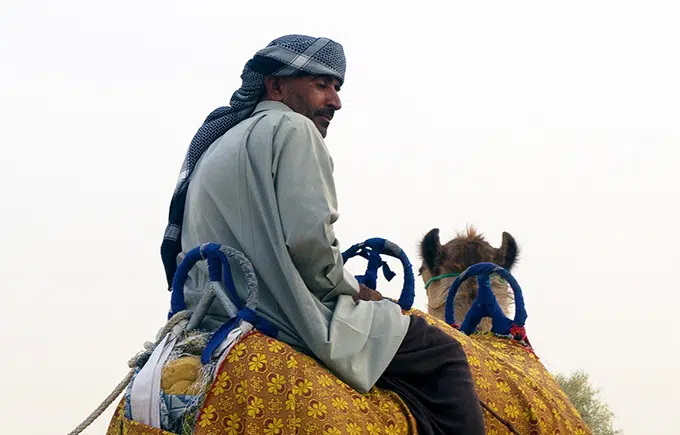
(333, 100)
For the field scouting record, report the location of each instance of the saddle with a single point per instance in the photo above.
(240, 379)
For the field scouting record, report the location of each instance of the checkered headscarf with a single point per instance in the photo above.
(289, 55)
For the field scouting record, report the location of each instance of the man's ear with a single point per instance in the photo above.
(273, 91)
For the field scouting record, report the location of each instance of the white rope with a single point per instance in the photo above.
(182, 315)
(105, 404)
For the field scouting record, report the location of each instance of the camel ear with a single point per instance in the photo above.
(508, 252)
(430, 248)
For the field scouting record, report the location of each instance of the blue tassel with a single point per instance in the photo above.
(387, 272)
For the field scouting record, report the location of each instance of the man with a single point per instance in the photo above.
(261, 181)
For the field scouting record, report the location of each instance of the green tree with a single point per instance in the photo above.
(594, 411)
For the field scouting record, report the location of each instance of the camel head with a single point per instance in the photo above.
(454, 257)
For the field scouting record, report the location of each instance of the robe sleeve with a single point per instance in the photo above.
(305, 191)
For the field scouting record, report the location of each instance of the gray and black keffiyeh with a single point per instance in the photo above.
(290, 55)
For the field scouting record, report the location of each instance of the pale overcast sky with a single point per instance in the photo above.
(554, 121)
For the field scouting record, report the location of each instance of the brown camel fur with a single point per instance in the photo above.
(457, 255)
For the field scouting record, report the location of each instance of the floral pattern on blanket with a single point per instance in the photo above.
(515, 385)
(265, 387)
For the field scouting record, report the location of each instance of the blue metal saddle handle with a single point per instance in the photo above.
(486, 304)
(220, 272)
(372, 249)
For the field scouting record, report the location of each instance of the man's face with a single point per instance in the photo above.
(315, 97)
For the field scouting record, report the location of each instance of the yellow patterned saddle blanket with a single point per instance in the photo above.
(265, 387)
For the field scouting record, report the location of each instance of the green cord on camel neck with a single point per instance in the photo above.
(453, 275)
(438, 277)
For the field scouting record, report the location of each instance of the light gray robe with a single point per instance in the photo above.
(266, 188)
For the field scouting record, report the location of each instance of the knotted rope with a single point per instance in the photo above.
(132, 363)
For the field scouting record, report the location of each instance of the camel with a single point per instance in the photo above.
(442, 263)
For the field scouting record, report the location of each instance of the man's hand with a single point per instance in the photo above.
(367, 294)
